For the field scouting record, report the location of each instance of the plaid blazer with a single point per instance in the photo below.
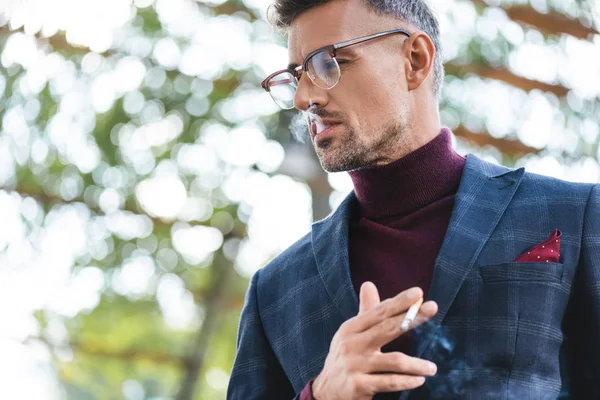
(504, 330)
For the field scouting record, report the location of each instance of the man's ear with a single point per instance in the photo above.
(420, 55)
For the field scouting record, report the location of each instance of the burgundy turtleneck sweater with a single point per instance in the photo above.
(400, 223)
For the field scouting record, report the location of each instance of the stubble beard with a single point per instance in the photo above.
(346, 152)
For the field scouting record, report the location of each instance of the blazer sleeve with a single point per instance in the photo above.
(256, 373)
(582, 326)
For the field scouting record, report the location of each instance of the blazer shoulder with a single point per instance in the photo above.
(555, 186)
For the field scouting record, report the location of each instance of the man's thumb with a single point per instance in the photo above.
(369, 297)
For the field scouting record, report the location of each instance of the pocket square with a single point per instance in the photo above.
(547, 251)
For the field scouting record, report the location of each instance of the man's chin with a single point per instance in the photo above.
(332, 168)
(328, 163)
(334, 163)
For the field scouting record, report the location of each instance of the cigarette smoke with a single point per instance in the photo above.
(299, 127)
(456, 377)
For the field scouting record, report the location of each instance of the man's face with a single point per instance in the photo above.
(370, 102)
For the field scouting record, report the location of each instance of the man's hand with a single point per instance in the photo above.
(355, 366)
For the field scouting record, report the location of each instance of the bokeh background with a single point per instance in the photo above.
(145, 175)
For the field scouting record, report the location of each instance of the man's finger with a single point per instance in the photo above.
(389, 329)
(428, 310)
(384, 310)
(369, 297)
(400, 363)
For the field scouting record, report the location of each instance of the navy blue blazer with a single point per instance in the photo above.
(505, 330)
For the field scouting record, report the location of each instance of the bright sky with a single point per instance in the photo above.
(35, 269)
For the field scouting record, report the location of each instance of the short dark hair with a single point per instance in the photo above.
(416, 12)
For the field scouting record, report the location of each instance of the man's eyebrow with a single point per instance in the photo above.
(347, 51)
(292, 66)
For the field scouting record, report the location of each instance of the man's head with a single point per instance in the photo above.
(387, 94)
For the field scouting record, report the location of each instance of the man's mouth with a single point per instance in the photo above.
(319, 126)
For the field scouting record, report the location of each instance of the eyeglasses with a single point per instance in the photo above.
(322, 67)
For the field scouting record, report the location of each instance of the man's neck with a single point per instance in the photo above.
(421, 177)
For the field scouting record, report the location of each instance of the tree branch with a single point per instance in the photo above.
(504, 75)
(197, 349)
(551, 23)
(512, 148)
(158, 223)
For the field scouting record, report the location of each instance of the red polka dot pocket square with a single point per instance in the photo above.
(547, 251)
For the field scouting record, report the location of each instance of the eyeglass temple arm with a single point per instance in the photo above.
(368, 37)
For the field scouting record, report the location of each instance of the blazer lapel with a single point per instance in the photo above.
(483, 195)
(330, 246)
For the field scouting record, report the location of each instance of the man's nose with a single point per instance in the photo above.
(308, 93)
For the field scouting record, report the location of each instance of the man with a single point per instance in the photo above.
(509, 262)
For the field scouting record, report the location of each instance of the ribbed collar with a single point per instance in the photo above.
(410, 183)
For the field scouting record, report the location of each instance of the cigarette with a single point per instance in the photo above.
(411, 315)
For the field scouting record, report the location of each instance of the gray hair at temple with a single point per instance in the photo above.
(416, 12)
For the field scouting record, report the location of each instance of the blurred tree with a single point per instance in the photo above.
(134, 160)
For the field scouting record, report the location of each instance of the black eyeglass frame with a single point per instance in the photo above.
(331, 49)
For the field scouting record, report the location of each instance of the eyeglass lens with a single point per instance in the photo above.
(282, 89)
(323, 70)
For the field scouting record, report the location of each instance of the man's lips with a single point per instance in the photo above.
(318, 126)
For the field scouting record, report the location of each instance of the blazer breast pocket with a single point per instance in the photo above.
(542, 272)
